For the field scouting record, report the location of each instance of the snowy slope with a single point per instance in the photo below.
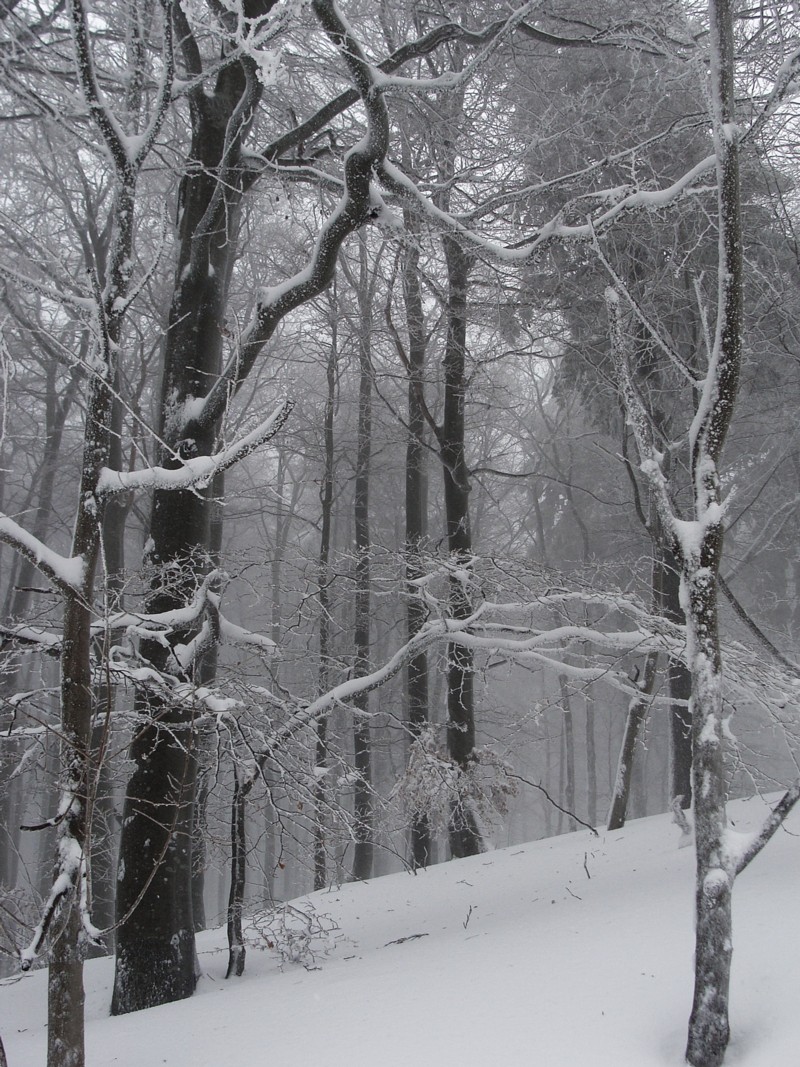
(570, 951)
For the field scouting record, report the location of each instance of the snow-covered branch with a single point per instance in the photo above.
(638, 418)
(70, 861)
(65, 572)
(741, 850)
(127, 151)
(452, 80)
(619, 198)
(196, 473)
(355, 208)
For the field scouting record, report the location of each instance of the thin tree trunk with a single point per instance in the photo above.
(323, 571)
(548, 779)
(568, 738)
(591, 761)
(65, 1041)
(19, 594)
(562, 748)
(363, 793)
(205, 746)
(103, 818)
(679, 678)
(236, 946)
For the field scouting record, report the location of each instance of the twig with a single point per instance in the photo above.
(564, 811)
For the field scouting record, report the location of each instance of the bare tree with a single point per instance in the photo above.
(697, 546)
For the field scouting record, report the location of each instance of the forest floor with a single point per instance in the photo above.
(574, 950)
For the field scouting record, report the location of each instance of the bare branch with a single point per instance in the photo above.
(777, 817)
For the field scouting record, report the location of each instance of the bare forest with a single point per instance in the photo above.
(399, 455)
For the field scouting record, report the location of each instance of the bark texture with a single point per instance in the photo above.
(464, 832)
(416, 507)
(155, 944)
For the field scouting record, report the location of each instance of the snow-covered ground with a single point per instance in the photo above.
(569, 952)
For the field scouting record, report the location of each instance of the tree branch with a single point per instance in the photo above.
(66, 573)
(775, 820)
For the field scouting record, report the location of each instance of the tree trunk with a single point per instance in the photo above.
(205, 742)
(65, 995)
(708, 1024)
(363, 796)
(591, 761)
(65, 978)
(709, 1029)
(416, 508)
(103, 818)
(323, 570)
(568, 735)
(679, 678)
(155, 941)
(19, 593)
(464, 832)
(637, 712)
(236, 945)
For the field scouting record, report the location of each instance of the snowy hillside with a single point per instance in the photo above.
(570, 951)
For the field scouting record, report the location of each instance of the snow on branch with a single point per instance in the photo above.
(355, 208)
(31, 638)
(198, 472)
(619, 198)
(744, 848)
(638, 419)
(451, 80)
(429, 42)
(612, 202)
(68, 873)
(84, 307)
(619, 285)
(237, 635)
(524, 643)
(125, 664)
(65, 572)
(127, 152)
(785, 80)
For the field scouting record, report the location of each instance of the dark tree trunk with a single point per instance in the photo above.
(679, 678)
(464, 832)
(591, 762)
(155, 941)
(326, 501)
(709, 1029)
(65, 996)
(205, 746)
(363, 794)
(65, 978)
(236, 945)
(103, 818)
(416, 507)
(637, 712)
(158, 965)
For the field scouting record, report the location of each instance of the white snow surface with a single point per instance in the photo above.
(569, 951)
